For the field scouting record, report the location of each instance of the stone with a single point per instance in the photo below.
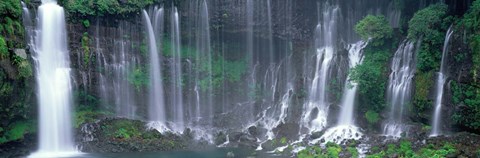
(21, 53)
(230, 154)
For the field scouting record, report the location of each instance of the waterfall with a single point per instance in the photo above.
(345, 128)
(28, 24)
(355, 56)
(439, 87)
(270, 32)
(252, 82)
(176, 73)
(203, 85)
(156, 96)
(400, 88)
(53, 81)
(325, 49)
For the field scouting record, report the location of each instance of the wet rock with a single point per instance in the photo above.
(113, 135)
(21, 53)
(230, 154)
(220, 138)
(287, 130)
(258, 132)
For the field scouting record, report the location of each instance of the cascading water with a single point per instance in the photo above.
(325, 49)
(345, 128)
(115, 68)
(355, 56)
(204, 85)
(53, 81)
(156, 96)
(176, 73)
(251, 86)
(399, 88)
(439, 87)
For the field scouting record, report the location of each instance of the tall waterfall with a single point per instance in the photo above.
(115, 68)
(251, 64)
(355, 56)
(53, 81)
(400, 88)
(325, 40)
(345, 128)
(439, 87)
(176, 73)
(156, 96)
(203, 84)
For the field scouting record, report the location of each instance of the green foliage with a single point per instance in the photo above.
(86, 23)
(371, 77)
(429, 25)
(88, 116)
(16, 131)
(123, 129)
(405, 150)
(104, 7)
(423, 83)
(375, 28)
(425, 22)
(372, 117)
(467, 98)
(353, 151)
(283, 140)
(3, 48)
(25, 69)
(138, 78)
(471, 21)
(11, 8)
(332, 151)
(86, 48)
(442, 152)
(122, 133)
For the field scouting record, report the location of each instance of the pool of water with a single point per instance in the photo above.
(212, 153)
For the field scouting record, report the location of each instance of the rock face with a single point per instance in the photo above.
(112, 135)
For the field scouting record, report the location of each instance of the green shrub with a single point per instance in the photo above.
(25, 69)
(428, 25)
(86, 23)
(426, 21)
(138, 78)
(16, 131)
(371, 77)
(372, 117)
(375, 28)
(467, 98)
(3, 48)
(471, 21)
(86, 49)
(353, 151)
(423, 84)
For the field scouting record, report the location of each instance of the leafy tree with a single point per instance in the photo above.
(467, 99)
(375, 28)
(426, 21)
(371, 77)
(471, 21)
(427, 25)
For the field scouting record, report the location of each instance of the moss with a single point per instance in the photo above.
(16, 131)
(423, 84)
(3, 48)
(372, 117)
(86, 48)
(25, 69)
(138, 78)
(353, 151)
